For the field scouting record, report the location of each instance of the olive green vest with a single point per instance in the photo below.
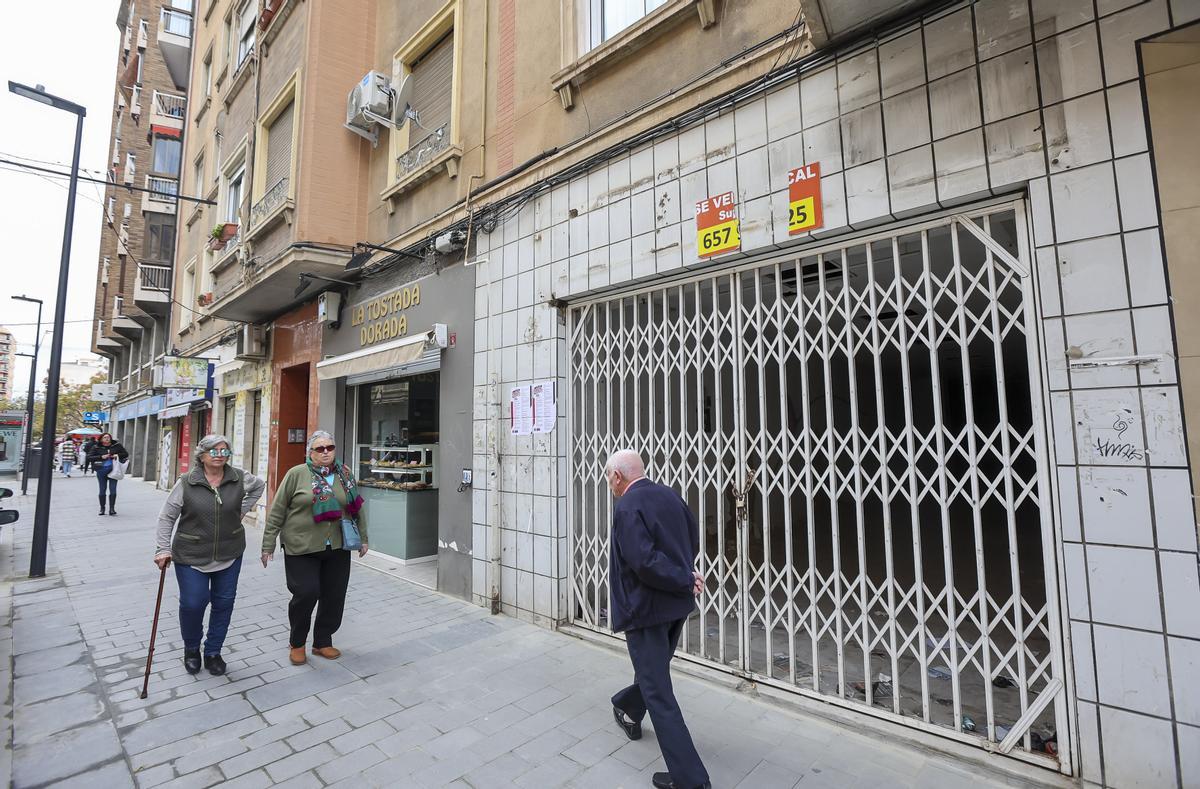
(210, 521)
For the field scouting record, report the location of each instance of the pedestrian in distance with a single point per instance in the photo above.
(315, 509)
(86, 462)
(66, 456)
(103, 453)
(655, 540)
(200, 530)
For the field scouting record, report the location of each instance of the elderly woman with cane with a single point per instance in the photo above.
(317, 515)
(205, 511)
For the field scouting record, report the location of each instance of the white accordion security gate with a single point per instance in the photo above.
(859, 431)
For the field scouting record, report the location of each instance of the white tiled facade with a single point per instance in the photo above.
(1038, 100)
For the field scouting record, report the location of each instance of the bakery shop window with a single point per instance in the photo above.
(397, 437)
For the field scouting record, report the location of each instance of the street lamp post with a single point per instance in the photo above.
(37, 343)
(41, 513)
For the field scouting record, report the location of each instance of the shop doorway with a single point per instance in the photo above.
(396, 445)
(859, 431)
(293, 418)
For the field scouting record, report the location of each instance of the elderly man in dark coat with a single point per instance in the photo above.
(655, 540)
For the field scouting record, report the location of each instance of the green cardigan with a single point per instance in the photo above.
(292, 514)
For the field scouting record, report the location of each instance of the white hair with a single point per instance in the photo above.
(316, 434)
(211, 441)
(627, 463)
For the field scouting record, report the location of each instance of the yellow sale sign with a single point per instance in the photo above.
(717, 226)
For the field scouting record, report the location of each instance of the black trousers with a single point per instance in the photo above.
(650, 651)
(316, 580)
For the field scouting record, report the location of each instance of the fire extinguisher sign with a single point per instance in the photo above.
(717, 226)
(804, 199)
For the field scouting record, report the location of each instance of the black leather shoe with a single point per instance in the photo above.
(215, 665)
(191, 660)
(632, 729)
(663, 781)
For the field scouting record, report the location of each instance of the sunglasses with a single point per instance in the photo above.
(220, 453)
(326, 448)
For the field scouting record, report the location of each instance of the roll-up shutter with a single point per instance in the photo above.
(433, 76)
(279, 146)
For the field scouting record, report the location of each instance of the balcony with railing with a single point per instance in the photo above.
(167, 110)
(152, 288)
(274, 204)
(121, 323)
(175, 42)
(161, 195)
(426, 158)
(104, 344)
(143, 30)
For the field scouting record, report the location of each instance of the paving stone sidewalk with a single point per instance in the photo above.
(430, 692)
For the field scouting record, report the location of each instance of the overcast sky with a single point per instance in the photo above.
(70, 47)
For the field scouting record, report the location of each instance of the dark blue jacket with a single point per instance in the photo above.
(655, 540)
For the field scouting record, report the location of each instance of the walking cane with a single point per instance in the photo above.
(162, 576)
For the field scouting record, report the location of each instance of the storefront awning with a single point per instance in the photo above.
(174, 412)
(391, 354)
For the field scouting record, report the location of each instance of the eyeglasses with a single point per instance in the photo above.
(220, 453)
(326, 448)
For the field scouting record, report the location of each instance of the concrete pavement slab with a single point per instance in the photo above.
(430, 692)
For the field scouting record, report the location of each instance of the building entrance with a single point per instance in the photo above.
(859, 431)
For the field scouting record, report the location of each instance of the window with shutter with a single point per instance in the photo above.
(433, 78)
(279, 147)
(247, 15)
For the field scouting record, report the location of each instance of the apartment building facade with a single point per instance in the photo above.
(8, 350)
(81, 370)
(886, 300)
(137, 242)
(282, 181)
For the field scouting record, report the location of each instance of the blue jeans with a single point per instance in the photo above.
(197, 591)
(102, 476)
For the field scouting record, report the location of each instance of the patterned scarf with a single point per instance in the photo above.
(325, 503)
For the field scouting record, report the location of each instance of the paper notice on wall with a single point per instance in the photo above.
(520, 410)
(545, 411)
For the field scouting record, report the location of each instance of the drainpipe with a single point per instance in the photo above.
(492, 441)
(493, 447)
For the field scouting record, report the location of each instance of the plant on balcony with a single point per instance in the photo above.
(221, 234)
(204, 299)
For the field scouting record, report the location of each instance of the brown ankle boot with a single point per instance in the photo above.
(329, 653)
(297, 656)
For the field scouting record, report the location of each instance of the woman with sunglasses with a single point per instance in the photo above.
(205, 511)
(310, 505)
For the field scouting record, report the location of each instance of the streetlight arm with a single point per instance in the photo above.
(39, 94)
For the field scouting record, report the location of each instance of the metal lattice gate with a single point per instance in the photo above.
(858, 430)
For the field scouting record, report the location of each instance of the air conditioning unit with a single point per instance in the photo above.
(252, 343)
(369, 103)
